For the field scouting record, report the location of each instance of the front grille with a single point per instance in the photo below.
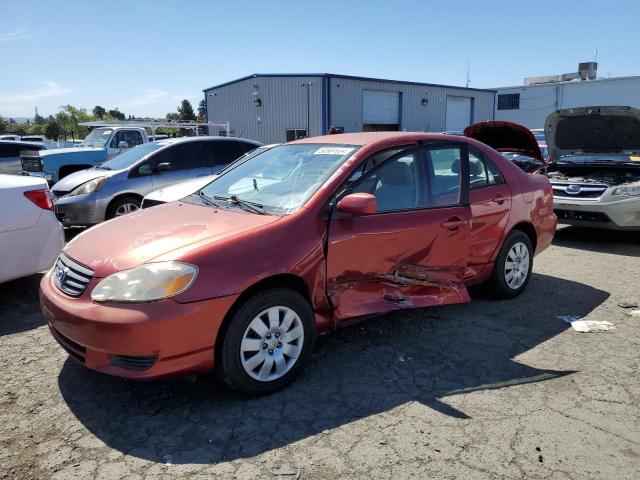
(30, 161)
(71, 277)
(74, 349)
(580, 216)
(137, 364)
(570, 191)
(151, 203)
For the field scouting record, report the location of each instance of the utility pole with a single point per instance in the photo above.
(307, 85)
(468, 74)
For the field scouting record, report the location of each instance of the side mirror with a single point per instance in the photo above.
(163, 167)
(357, 204)
(123, 144)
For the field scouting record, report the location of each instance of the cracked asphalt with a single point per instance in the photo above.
(486, 390)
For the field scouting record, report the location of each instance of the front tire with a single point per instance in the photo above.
(512, 270)
(123, 206)
(268, 342)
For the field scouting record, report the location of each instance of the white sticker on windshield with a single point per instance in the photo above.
(333, 151)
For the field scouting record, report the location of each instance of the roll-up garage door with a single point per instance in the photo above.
(379, 109)
(458, 113)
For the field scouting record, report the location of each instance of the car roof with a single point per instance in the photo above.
(367, 138)
(171, 141)
(20, 142)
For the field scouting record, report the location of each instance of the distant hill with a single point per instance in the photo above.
(21, 119)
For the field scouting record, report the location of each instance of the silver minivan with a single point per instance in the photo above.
(117, 186)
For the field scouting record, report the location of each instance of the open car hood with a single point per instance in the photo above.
(505, 137)
(593, 130)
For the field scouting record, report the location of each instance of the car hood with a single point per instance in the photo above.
(593, 130)
(506, 137)
(75, 179)
(131, 240)
(180, 190)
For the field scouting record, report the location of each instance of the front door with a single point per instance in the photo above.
(183, 161)
(413, 251)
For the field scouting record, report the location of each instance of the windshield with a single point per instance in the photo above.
(98, 137)
(129, 157)
(282, 178)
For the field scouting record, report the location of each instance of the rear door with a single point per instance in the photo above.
(185, 160)
(490, 200)
(413, 251)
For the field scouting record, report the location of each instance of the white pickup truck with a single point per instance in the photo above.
(100, 145)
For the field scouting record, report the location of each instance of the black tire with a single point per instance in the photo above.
(497, 284)
(119, 202)
(229, 366)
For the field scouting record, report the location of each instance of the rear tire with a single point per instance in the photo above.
(122, 206)
(268, 342)
(512, 270)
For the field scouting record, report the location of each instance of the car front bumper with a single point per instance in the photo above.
(610, 212)
(80, 210)
(148, 340)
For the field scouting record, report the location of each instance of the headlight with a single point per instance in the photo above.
(627, 191)
(94, 185)
(153, 281)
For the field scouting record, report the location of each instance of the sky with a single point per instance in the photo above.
(145, 56)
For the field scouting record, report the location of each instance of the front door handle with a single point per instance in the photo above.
(454, 223)
(499, 198)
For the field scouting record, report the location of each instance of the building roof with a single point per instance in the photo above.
(572, 82)
(348, 77)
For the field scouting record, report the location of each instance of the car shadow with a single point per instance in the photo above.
(624, 243)
(422, 355)
(20, 305)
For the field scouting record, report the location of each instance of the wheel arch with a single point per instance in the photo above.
(65, 170)
(529, 230)
(122, 195)
(282, 280)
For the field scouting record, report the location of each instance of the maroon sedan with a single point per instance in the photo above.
(302, 239)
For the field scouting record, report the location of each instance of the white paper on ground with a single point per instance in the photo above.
(585, 326)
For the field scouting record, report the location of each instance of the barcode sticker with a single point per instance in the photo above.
(333, 151)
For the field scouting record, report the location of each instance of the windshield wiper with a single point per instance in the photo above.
(249, 206)
(207, 200)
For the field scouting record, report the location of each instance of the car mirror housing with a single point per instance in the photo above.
(357, 204)
(163, 167)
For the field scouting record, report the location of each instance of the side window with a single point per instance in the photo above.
(132, 137)
(396, 183)
(444, 168)
(482, 171)
(223, 152)
(146, 168)
(185, 156)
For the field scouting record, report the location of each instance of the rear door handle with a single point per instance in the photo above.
(454, 223)
(499, 198)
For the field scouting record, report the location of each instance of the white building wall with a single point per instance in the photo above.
(538, 101)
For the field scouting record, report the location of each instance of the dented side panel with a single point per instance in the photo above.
(397, 260)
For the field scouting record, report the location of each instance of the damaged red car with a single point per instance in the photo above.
(304, 238)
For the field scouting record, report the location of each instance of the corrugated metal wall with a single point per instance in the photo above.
(345, 98)
(284, 106)
(538, 101)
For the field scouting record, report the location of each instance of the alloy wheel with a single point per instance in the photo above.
(126, 208)
(516, 266)
(272, 343)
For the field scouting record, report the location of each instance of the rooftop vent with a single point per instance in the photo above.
(586, 71)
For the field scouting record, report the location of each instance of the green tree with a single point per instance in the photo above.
(99, 112)
(116, 114)
(185, 111)
(4, 125)
(19, 128)
(36, 129)
(202, 111)
(39, 119)
(53, 129)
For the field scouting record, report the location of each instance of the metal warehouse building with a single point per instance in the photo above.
(531, 103)
(274, 108)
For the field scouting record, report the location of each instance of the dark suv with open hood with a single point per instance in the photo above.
(595, 166)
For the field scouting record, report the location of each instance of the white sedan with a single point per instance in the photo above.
(30, 235)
